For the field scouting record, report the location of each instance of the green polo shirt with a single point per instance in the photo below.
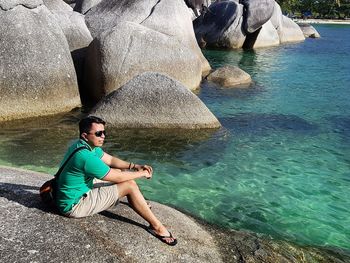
(76, 179)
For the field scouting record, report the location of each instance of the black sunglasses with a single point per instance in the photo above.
(99, 133)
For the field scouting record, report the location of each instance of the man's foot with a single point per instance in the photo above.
(166, 238)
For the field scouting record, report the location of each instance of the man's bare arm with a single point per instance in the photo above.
(118, 176)
(115, 162)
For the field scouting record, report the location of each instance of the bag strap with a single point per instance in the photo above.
(70, 156)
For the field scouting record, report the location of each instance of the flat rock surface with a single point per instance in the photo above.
(31, 233)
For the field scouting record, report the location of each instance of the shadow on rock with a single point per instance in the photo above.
(25, 195)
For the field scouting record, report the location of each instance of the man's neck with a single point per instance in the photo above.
(91, 146)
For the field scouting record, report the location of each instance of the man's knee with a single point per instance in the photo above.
(127, 187)
(132, 185)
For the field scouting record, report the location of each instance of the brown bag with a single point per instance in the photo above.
(47, 192)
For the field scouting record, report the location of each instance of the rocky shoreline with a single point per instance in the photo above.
(322, 21)
(32, 233)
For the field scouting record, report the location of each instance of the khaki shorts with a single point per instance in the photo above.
(96, 200)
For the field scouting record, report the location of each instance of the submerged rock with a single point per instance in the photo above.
(153, 100)
(230, 76)
(309, 31)
(37, 72)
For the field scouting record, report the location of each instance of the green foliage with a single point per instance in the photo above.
(316, 8)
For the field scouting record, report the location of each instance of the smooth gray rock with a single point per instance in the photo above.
(83, 6)
(276, 18)
(287, 29)
(234, 36)
(72, 24)
(197, 6)
(6, 5)
(124, 52)
(153, 100)
(210, 26)
(32, 233)
(142, 38)
(309, 31)
(57, 5)
(267, 37)
(169, 17)
(179, 26)
(258, 12)
(37, 75)
(230, 76)
(109, 14)
(290, 31)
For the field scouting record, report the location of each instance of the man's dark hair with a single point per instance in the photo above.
(86, 123)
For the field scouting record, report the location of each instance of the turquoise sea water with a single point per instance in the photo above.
(279, 166)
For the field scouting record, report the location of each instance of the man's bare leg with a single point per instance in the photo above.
(131, 190)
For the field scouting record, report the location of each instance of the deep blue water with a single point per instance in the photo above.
(280, 164)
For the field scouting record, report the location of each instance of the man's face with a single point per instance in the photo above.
(96, 135)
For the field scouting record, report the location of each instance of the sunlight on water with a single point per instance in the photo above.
(280, 164)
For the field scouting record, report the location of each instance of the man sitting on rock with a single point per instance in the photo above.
(76, 195)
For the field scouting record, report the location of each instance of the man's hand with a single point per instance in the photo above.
(148, 174)
(139, 167)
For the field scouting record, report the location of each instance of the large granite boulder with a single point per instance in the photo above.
(37, 75)
(289, 31)
(120, 54)
(153, 100)
(276, 18)
(197, 6)
(72, 24)
(309, 31)
(135, 37)
(170, 17)
(248, 24)
(83, 6)
(57, 5)
(211, 25)
(267, 37)
(257, 13)
(234, 36)
(230, 76)
(77, 34)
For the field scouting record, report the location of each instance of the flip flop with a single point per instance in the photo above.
(162, 238)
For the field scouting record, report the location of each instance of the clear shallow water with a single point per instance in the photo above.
(280, 166)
